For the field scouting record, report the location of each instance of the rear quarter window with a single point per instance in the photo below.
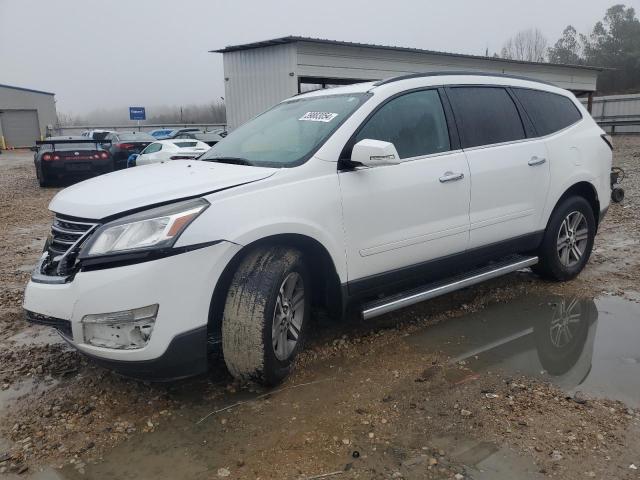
(185, 144)
(485, 115)
(548, 111)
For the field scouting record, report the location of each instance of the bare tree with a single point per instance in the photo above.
(528, 45)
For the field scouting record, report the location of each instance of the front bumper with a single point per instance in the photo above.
(182, 285)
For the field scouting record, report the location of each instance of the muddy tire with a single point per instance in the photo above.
(568, 240)
(266, 315)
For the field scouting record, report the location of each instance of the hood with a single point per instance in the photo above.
(138, 187)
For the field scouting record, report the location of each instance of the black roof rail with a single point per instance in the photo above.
(458, 72)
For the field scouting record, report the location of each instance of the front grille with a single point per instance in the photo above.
(63, 245)
(62, 326)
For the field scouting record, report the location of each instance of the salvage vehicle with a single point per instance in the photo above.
(369, 198)
(210, 138)
(58, 158)
(165, 150)
(125, 144)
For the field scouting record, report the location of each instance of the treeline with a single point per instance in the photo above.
(210, 113)
(613, 43)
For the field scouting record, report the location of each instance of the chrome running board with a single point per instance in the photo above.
(426, 292)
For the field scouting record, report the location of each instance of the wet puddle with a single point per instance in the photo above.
(586, 345)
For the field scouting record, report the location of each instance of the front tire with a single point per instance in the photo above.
(266, 315)
(568, 240)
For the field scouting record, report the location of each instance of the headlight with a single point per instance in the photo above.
(155, 228)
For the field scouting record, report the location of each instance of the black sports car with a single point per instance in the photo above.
(61, 157)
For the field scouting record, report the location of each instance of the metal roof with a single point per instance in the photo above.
(25, 89)
(294, 39)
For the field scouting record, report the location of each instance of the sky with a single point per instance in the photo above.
(115, 53)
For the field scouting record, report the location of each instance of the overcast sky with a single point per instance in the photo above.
(152, 52)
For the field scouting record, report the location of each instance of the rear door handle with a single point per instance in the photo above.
(451, 177)
(537, 161)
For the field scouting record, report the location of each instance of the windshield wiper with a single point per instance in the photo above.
(231, 160)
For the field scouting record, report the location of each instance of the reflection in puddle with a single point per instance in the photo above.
(577, 344)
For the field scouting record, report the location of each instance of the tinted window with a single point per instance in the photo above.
(414, 123)
(185, 144)
(549, 112)
(485, 115)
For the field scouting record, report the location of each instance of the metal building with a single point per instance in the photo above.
(261, 74)
(25, 115)
(618, 113)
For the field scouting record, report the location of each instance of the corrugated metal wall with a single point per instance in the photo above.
(617, 107)
(257, 79)
(340, 61)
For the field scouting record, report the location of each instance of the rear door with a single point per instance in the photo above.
(509, 167)
(398, 217)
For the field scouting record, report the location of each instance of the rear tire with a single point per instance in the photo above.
(568, 240)
(266, 315)
(43, 181)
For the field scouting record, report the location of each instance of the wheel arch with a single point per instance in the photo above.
(583, 189)
(322, 268)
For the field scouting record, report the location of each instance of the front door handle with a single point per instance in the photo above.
(451, 177)
(536, 161)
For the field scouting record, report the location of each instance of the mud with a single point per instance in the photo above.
(454, 386)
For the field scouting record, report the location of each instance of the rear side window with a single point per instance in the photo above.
(414, 123)
(548, 111)
(485, 115)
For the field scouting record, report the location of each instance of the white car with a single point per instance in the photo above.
(164, 150)
(370, 197)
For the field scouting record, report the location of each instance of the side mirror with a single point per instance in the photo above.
(374, 153)
(34, 149)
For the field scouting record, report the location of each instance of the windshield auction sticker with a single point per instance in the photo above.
(318, 117)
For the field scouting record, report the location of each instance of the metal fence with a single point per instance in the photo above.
(78, 129)
(617, 114)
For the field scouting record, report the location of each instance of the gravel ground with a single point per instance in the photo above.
(358, 388)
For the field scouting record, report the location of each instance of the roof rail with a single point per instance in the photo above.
(455, 73)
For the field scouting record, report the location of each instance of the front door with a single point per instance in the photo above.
(397, 217)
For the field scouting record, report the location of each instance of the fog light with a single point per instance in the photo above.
(125, 330)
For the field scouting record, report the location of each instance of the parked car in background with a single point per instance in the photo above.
(210, 138)
(58, 158)
(164, 150)
(96, 134)
(370, 197)
(161, 133)
(178, 131)
(124, 144)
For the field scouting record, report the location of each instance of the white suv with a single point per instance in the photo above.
(371, 196)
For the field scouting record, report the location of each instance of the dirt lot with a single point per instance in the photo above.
(452, 388)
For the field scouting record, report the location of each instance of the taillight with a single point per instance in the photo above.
(95, 155)
(46, 157)
(56, 157)
(104, 155)
(608, 140)
(125, 146)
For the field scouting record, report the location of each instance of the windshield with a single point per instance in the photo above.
(288, 133)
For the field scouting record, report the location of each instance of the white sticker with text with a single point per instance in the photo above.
(318, 116)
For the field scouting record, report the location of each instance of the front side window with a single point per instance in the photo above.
(485, 115)
(153, 148)
(415, 123)
(548, 111)
(289, 133)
